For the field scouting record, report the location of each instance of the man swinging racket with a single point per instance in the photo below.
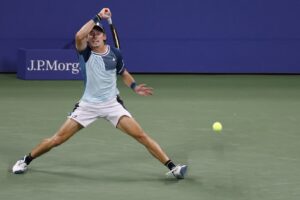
(100, 64)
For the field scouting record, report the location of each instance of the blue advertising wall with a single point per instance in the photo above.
(184, 36)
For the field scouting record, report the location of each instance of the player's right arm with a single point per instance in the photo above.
(82, 34)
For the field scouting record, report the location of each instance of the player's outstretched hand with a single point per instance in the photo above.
(143, 90)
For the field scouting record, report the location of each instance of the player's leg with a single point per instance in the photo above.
(132, 128)
(67, 130)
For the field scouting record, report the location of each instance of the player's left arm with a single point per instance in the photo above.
(140, 89)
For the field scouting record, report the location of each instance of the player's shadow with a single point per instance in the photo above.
(148, 177)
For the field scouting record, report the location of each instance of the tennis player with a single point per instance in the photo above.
(100, 64)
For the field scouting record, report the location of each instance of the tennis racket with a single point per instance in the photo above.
(113, 31)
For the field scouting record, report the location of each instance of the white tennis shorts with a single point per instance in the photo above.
(86, 113)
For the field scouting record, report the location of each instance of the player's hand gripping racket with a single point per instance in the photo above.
(113, 30)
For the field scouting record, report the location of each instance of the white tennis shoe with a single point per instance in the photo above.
(179, 171)
(20, 167)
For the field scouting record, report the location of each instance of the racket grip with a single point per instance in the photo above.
(109, 20)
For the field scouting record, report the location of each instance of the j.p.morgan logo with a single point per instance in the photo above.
(48, 65)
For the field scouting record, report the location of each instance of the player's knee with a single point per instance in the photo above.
(142, 137)
(56, 141)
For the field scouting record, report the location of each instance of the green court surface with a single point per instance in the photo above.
(256, 156)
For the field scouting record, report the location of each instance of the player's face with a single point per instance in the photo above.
(96, 38)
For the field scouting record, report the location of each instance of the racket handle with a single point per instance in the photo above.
(109, 20)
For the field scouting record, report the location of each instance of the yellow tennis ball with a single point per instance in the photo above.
(217, 127)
